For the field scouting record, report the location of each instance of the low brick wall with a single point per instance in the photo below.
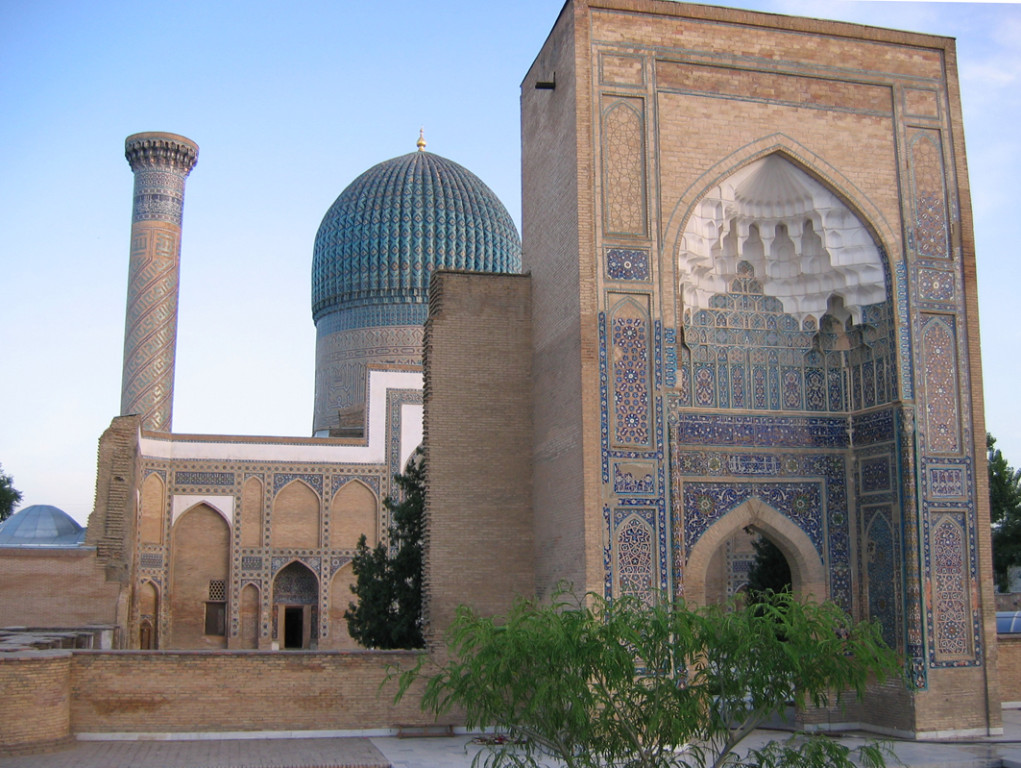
(193, 691)
(1009, 667)
(35, 699)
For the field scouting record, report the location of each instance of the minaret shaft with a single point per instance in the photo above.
(161, 162)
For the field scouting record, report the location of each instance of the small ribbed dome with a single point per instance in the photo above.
(41, 525)
(398, 222)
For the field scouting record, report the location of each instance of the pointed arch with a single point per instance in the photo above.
(153, 508)
(354, 511)
(295, 607)
(249, 616)
(885, 235)
(801, 240)
(148, 615)
(200, 575)
(296, 517)
(340, 597)
(251, 512)
(808, 574)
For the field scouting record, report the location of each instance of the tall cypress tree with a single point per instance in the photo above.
(389, 578)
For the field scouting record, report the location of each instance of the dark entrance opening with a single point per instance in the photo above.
(293, 626)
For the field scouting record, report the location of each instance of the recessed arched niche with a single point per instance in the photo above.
(803, 243)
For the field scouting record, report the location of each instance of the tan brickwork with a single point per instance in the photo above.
(353, 512)
(479, 541)
(55, 588)
(201, 541)
(175, 692)
(1009, 667)
(35, 704)
(295, 518)
(715, 89)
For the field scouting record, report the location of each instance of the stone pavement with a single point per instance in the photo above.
(436, 752)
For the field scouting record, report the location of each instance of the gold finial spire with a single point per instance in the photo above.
(421, 140)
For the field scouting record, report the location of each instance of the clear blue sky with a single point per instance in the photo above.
(289, 102)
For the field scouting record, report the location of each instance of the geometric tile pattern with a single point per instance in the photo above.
(635, 545)
(627, 264)
(623, 142)
(160, 163)
(631, 345)
(939, 383)
(926, 164)
(951, 608)
(397, 223)
(204, 478)
(719, 461)
(743, 351)
(882, 575)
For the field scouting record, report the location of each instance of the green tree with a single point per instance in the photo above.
(1004, 511)
(599, 684)
(770, 571)
(10, 496)
(389, 579)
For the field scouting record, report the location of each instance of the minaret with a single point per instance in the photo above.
(161, 162)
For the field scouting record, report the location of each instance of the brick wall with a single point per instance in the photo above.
(209, 691)
(1009, 667)
(55, 588)
(478, 438)
(35, 701)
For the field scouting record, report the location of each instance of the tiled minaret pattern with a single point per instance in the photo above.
(161, 162)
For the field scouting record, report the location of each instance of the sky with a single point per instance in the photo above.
(289, 102)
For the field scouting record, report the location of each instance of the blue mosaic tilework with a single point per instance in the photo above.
(938, 338)
(631, 343)
(873, 427)
(903, 329)
(747, 353)
(705, 503)
(882, 574)
(635, 542)
(946, 482)
(627, 264)
(339, 481)
(400, 221)
(821, 513)
(763, 431)
(375, 316)
(280, 479)
(875, 474)
(204, 478)
(251, 562)
(633, 479)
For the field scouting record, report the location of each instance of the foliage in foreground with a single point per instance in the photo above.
(596, 684)
(1004, 511)
(389, 580)
(10, 496)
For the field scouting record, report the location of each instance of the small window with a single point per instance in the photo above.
(216, 619)
(218, 590)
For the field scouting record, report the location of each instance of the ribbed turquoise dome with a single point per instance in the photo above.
(398, 222)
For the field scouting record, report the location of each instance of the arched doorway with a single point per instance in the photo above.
(750, 519)
(295, 602)
(148, 614)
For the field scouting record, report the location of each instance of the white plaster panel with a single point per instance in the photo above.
(311, 450)
(181, 503)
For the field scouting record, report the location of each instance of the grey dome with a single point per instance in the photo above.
(41, 525)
